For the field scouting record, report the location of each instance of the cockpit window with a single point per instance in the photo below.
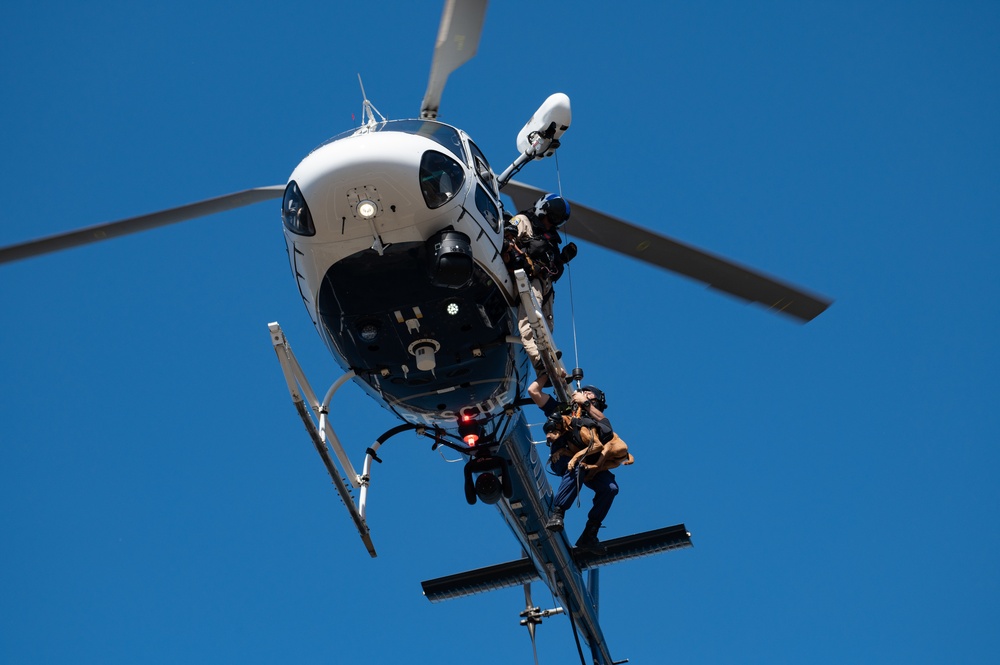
(441, 178)
(445, 136)
(295, 213)
(487, 208)
(483, 169)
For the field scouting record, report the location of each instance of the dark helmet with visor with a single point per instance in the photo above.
(599, 400)
(554, 208)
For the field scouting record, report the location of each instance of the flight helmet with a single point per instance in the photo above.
(554, 207)
(599, 400)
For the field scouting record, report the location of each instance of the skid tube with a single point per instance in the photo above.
(315, 418)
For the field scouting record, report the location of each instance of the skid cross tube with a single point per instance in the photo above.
(371, 455)
(322, 435)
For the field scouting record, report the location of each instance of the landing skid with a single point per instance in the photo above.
(314, 416)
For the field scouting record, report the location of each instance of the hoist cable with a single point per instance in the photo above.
(569, 275)
(576, 359)
(572, 319)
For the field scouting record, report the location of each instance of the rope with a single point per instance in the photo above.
(572, 319)
(576, 360)
(569, 276)
(558, 175)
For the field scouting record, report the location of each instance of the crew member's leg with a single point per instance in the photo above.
(605, 490)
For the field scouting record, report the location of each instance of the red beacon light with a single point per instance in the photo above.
(468, 429)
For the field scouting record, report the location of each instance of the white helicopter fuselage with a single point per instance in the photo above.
(394, 235)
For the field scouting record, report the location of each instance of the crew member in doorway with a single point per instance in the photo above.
(584, 449)
(533, 244)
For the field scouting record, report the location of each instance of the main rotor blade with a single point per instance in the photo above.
(457, 41)
(123, 227)
(718, 273)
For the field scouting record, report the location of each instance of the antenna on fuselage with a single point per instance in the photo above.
(368, 110)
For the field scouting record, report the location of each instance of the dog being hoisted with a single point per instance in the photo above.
(584, 449)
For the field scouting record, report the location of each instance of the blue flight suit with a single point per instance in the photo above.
(603, 483)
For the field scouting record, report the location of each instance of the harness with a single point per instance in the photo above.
(540, 251)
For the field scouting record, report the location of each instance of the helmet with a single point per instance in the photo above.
(599, 400)
(554, 208)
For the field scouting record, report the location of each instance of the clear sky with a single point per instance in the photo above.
(159, 499)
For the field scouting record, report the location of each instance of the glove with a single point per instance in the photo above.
(568, 253)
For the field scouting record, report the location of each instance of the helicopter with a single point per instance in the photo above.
(393, 232)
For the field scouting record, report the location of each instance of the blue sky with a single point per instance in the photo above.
(160, 502)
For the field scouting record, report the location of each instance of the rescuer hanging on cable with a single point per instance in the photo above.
(584, 449)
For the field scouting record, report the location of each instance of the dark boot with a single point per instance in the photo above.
(588, 539)
(555, 522)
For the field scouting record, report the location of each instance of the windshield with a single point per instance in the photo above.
(483, 169)
(445, 136)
